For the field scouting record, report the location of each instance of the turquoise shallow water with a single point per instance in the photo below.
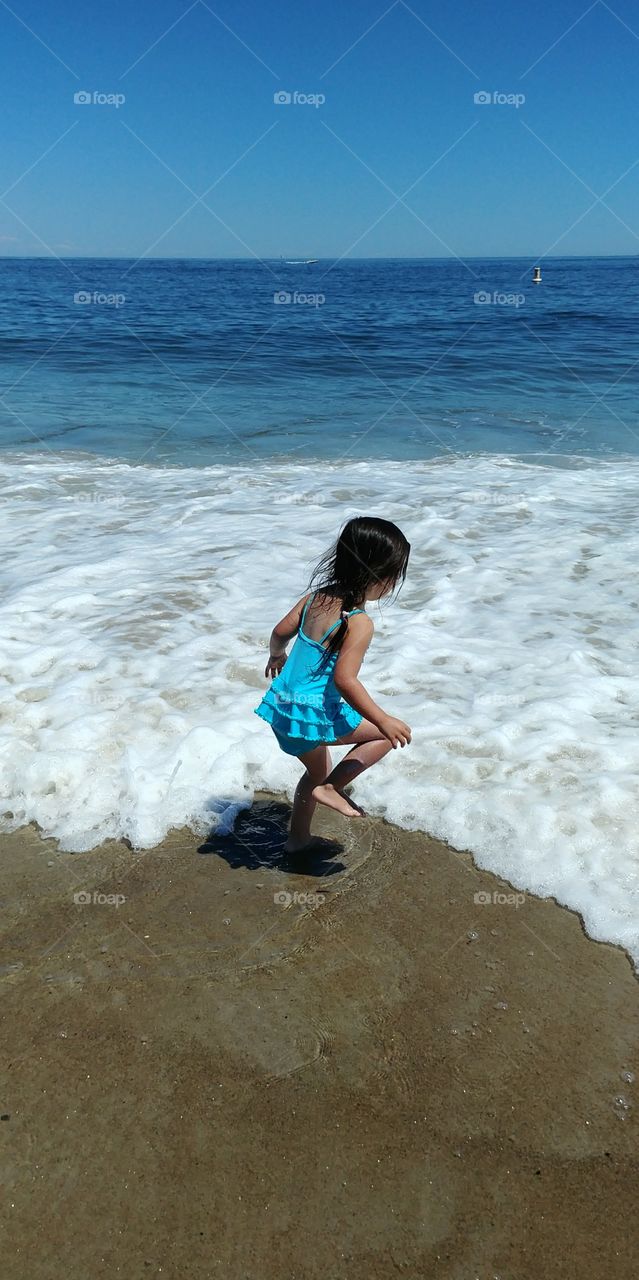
(196, 362)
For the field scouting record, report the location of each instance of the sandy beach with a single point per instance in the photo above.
(224, 1065)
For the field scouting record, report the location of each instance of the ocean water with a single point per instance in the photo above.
(174, 463)
(195, 362)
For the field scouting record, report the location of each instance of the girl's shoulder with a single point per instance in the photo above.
(360, 628)
(362, 621)
(292, 620)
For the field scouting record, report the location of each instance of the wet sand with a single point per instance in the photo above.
(386, 1077)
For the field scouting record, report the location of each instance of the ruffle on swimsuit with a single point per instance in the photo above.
(302, 706)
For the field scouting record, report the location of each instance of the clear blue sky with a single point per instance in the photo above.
(296, 179)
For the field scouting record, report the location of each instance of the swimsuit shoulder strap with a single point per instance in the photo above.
(337, 623)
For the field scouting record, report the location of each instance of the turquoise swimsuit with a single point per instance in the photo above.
(302, 705)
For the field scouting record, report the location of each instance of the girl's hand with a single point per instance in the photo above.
(274, 665)
(398, 733)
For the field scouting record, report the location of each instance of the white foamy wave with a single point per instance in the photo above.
(136, 608)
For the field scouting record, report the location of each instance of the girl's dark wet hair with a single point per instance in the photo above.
(368, 551)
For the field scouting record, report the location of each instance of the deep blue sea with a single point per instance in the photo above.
(181, 441)
(195, 362)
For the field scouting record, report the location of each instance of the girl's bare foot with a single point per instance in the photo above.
(334, 799)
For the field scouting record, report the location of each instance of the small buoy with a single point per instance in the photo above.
(537, 275)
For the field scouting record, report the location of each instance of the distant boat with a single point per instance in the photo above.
(300, 262)
(537, 275)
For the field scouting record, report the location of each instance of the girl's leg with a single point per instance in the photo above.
(369, 747)
(317, 764)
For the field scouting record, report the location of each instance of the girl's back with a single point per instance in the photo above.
(322, 614)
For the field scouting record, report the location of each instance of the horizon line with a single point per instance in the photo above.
(477, 257)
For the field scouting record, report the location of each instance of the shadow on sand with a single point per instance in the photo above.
(257, 843)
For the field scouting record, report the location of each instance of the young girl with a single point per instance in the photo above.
(304, 705)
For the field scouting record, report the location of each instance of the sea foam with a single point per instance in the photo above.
(136, 608)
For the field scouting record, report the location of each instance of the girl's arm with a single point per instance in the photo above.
(281, 635)
(351, 654)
